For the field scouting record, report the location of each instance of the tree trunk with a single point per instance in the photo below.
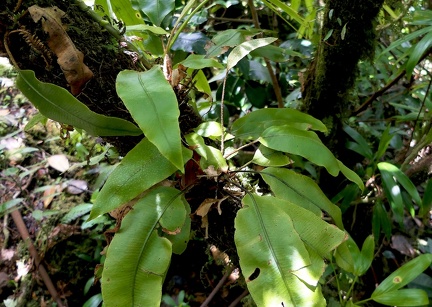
(348, 35)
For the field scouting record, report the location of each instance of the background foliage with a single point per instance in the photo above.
(203, 100)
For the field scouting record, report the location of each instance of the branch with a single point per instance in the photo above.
(22, 229)
(386, 87)
(218, 286)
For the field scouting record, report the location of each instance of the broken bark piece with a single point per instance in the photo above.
(70, 59)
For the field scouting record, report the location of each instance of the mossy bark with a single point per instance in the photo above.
(332, 74)
(103, 54)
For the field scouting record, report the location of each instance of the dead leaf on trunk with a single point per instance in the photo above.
(70, 59)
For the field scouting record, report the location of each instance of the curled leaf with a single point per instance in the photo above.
(70, 59)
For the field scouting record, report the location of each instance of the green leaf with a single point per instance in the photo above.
(404, 297)
(302, 191)
(280, 261)
(346, 255)
(265, 156)
(381, 221)
(138, 258)
(402, 276)
(123, 11)
(386, 137)
(76, 212)
(351, 175)
(317, 234)
(253, 124)
(279, 5)
(196, 61)
(156, 10)
(329, 33)
(274, 53)
(201, 83)
(140, 169)
(145, 28)
(366, 256)
(427, 199)
(153, 105)
(210, 156)
(417, 52)
(228, 38)
(245, 48)
(361, 146)
(58, 104)
(303, 143)
(9, 205)
(394, 195)
(407, 38)
(402, 179)
(209, 129)
(180, 240)
(36, 119)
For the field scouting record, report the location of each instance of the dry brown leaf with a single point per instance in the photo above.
(205, 224)
(175, 232)
(402, 244)
(205, 206)
(50, 193)
(70, 59)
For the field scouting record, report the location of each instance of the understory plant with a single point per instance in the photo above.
(287, 232)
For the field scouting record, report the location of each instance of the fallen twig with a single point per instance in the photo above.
(218, 286)
(22, 229)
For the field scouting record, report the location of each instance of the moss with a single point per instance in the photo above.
(334, 70)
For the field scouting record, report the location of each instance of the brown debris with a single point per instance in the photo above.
(70, 59)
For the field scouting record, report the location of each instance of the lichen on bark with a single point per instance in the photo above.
(332, 74)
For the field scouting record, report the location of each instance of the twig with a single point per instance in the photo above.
(232, 19)
(240, 148)
(276, 87)
(386, 87)
(239, 298)
(22, 229)
(379, 93)
(218, 286)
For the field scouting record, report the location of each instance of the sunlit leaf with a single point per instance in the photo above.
(418, 50)
(302, 143)
(153, 105)
(138, 258)
(253, 124)
(210, 155)
(265, 156)
(245, 48)
(276, 260)
(197, 61)
(302, 191)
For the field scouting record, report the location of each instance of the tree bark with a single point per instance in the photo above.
(347, 36)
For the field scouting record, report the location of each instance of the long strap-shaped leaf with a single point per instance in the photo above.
(140, 169)
(302, 191)
(56, 103)
(299, 142)
(153, 105)
(269, 246)
(138, 258)
(255, 123)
